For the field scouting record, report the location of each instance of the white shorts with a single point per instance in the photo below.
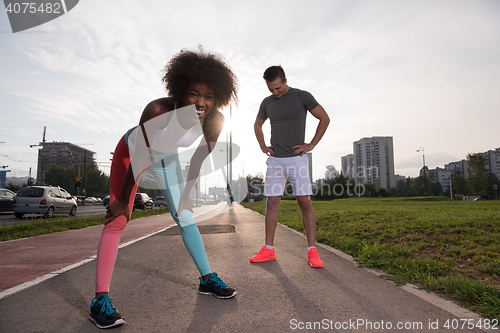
(295, 168)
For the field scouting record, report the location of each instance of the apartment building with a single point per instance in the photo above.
(492, 158)
(441, 176)
(62, 154)
(347, 165)
(374, 161)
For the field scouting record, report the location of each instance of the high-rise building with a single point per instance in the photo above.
(492, 158)
(347, 165)
(330, 172)
(374, 161)
(457, 168)
(441, 176)
(62, 154)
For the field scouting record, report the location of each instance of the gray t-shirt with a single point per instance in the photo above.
(288, 119)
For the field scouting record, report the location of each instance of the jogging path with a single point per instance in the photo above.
(155, 284)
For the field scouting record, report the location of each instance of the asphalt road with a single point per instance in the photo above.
(155, 286)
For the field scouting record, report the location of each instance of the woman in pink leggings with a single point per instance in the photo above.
(198, 84)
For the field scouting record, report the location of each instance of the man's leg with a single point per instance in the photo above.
(272, 206)
(267, 253)
(309, 222)
(308, 218)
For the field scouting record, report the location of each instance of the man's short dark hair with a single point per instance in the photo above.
(274, 72)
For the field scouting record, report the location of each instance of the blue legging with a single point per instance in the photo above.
(168, 174)
(169, 179)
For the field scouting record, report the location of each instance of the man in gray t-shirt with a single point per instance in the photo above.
(287, 110)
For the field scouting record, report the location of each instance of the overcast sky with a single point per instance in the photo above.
(426, 73)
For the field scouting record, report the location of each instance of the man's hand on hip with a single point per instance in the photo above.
(302, 149)
(267, 150)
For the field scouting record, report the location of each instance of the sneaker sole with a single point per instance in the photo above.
(222, 297)
(119, 322)
(263, 260)
(314, 266)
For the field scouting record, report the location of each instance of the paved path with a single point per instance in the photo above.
(155, 287)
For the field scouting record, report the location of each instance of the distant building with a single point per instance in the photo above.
(399, 178)
(347, 165)
(62, 154)
(331, 172)
(492, 158)
(441, 176)
(493, 162)
(457, 168)
(374, 161)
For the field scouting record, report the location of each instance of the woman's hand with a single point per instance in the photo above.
(185, 203)
(115, 209)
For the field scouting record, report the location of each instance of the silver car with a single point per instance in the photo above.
(6, 200)
(46, 200)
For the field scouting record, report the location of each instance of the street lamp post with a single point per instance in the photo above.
(425, 178)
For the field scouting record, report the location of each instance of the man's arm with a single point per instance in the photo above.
(259, 134)
(318, 113)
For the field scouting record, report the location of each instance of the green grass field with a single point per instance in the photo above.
(451, 247)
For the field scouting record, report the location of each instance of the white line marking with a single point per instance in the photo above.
(52, 274)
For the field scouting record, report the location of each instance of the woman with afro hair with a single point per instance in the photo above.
(198, 84)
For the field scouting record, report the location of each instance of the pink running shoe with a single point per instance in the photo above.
(264, 255)
(313, 259)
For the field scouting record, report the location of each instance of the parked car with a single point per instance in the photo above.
(105, 201)
(90, 200)
(143, 201)
(46, 200)
(6, 200)
(160, 201)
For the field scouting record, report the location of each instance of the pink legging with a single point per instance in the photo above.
(168, 176)
(111, 234)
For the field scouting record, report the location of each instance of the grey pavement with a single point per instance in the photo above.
(155, 285)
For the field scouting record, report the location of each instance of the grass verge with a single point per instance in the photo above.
(48, 226)
(444, 246)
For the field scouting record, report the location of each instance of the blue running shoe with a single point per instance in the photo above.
(216, 287)
(103, 314)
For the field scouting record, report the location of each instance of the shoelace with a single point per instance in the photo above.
(106, 306)
(218, 281)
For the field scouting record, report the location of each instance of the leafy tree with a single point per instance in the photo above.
(63, 177)
(476, 170)
(436, 189)
(404, 187)
(257, 179)
(370, 190)
(493, 180)
(394, 192)
(459, 185)
(421, 185)
(384, 193)
(96, 182)
(338, 187)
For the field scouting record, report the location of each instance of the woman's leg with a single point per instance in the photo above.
(168, 174)
(111, 234)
